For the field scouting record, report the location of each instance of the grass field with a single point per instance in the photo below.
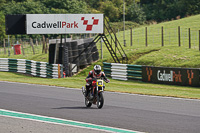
(171, 55)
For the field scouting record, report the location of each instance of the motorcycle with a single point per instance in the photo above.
(95, 94)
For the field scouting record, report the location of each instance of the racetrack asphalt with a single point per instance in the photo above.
(143, 113)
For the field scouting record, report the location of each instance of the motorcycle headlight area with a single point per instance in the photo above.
(100, 83)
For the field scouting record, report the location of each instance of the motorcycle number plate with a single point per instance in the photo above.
(100, 83)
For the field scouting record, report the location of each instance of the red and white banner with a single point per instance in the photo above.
(64, 23)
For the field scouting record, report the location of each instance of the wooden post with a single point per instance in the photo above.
(179, 36)
(189, 39)
(31, 43)
(40, 43)
(162, 37)
(131, 36)
(146, 36)
(4, 45)
(36, 42)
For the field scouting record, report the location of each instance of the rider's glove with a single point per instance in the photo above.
(107, 81)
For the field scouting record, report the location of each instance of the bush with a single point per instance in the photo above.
(136, 14)
(119, 25)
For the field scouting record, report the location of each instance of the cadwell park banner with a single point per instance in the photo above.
(64, 23)
(175, 76)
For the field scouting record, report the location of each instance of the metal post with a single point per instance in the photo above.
(8, 46)
(124, 23)
(65, 60)
(101, 48)
(4, 45)
(118, 33)
(55, 54)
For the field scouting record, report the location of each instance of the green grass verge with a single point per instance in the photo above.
(135, 87)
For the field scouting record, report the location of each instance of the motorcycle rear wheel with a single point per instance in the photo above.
(87, 103)
(100, 100)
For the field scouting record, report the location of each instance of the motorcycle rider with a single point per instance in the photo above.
(97, 74)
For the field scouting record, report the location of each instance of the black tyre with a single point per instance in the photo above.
(87, 103)
(100, 100)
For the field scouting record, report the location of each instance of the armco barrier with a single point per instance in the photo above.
(122, 71)
(39, 69)
(160, 75)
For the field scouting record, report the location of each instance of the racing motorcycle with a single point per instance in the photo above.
(95, 94)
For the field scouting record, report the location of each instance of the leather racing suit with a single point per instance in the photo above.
(92, 75)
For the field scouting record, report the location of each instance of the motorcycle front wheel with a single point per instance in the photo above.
(87, 103)
(100, 100)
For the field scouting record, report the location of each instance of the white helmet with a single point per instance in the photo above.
(97, 69)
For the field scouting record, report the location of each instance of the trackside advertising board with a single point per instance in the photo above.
(175, 76)
(64, 23)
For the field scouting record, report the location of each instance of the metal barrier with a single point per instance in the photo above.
(39, 69)
(123, 71)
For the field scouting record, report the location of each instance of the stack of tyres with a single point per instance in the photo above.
(70, 58)
(73, 50)
(52, 53)
(82, 57)
(65, 60)
(88, 53)
(74, 47)
(95, 53)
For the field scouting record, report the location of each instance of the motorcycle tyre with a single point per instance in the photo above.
(100, 100)
(87, 103)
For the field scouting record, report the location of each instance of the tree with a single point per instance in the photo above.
(161, 10)
(193, 6)
(2, 26)
(136, 14)
(110, 10)
(70, 6)
(2, 2)
(27, 7)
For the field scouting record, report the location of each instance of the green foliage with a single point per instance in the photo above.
(26, 7)
(66, 6)
(2, 2)
(119, 25)
(136, 14)
(2, 26)
(110, 10)
(193, 6)
(160, 10)
(136, 10)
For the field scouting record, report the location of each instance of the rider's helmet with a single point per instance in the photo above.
(97, 69)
